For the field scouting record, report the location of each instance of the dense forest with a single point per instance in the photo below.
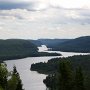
(81, 44)
(71, 73)
(19, 48)
(9, 80)
(16, 48)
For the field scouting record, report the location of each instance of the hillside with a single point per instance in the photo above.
(16, 48)
(36, 42)
(19, 48)
(81, 44)
(50, 43)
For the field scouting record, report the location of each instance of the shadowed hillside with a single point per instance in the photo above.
(50, 43)
(81, 44)
(16, 48)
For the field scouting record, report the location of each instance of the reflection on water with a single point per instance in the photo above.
(42, 48)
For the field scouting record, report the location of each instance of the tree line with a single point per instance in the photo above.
(66, 78)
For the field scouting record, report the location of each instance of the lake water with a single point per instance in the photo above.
(32, 80)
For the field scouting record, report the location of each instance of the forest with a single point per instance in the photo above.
(80, 44)
(71, 73)
(19, 48)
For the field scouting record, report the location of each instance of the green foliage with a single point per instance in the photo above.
(65, 77)
(16, 48)
(79, 79)
(66, 72)
(50, 43)
(1, 88)
(9, 82)
(19, 48)
(81, 44)
(19, 85)
(50, 81)
(3, 76)
(15, 72)
(12, 83)
(15, 82)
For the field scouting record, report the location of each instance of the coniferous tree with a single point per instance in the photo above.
(3, 76)
(65, 77)
(79, 79)
(15, 71)
(19, 85)
(15, 82)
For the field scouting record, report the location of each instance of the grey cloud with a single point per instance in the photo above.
(17, 5)
(51, 15)
(30, 5)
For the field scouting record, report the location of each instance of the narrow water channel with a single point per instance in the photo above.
(32, 80)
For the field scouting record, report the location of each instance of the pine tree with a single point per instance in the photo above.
(15, 82)
(19, 85)
(79, 79)
(65, 76)
(3, 76)
(15, 71)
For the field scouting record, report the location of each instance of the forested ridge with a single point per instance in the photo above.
(50, 43)
(81, 44)
(16, 48)
(20, 48)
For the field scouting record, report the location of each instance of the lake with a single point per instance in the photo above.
(32, 80)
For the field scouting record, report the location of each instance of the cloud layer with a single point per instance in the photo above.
(43, 4)
(42, 19)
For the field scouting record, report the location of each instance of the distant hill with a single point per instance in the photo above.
(81, 44)
(36, 42)
(50, 43)
(16, 48)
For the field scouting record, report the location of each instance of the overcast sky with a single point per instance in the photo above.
(33, 19)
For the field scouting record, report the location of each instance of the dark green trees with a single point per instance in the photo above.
(50, 81)
(15, 82)
(79, 79)
(19, 85)
(66, 68)
(65, 76)
(9, 81)
(68, 78)
(3, 76)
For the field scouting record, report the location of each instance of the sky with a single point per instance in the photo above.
(34, 19)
